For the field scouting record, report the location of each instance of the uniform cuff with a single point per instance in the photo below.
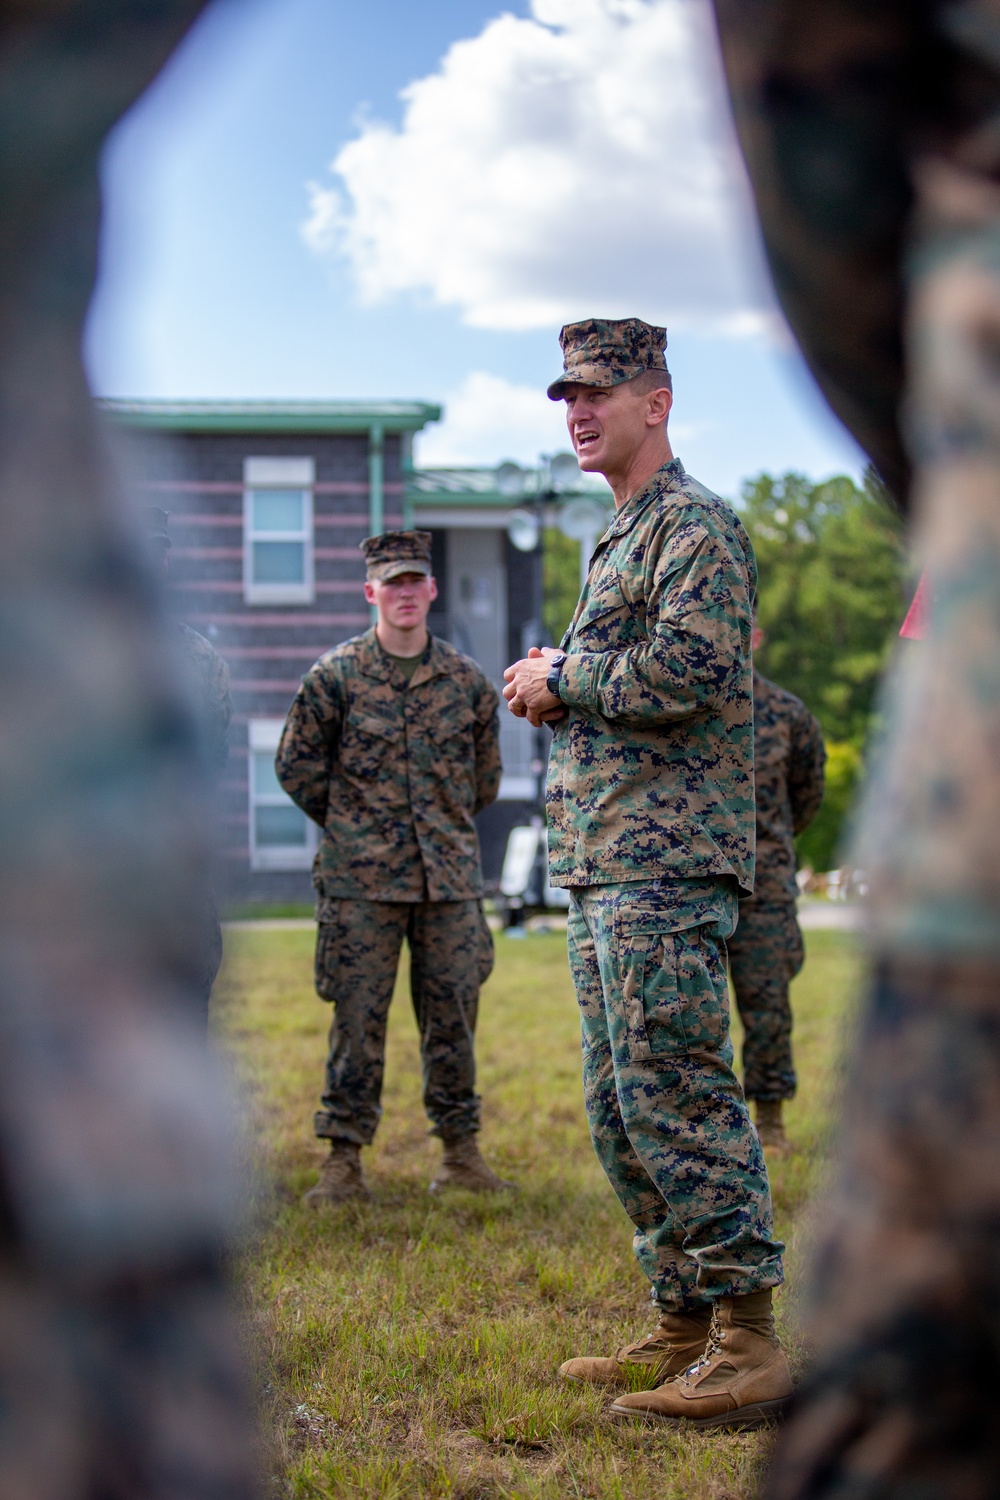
(576, 680)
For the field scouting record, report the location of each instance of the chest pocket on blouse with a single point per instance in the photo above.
(367, 742)
(606, 621)
(450, 727)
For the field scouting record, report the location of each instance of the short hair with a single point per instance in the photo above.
(652, 380)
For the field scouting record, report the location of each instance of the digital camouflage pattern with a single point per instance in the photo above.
(789, 759)
(394, 552)
(393, 772)
(903, 1321)
(357, 954)
(120, 1367)
(651, 772)
(667, 1116)
(765, 951)
(765, 954)
(604, 353)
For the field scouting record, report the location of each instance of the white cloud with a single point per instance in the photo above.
(577, 162)
(488, 419)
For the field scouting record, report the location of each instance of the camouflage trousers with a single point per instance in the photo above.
(765, 954)
(357, 955)
(667, 1115)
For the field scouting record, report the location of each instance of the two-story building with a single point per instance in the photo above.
(268, 503)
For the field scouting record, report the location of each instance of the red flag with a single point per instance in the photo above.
(914, 627)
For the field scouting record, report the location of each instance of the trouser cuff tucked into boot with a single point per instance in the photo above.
(770, 1126)
(741, 1380)
(462, 1166)
(678, 1342)
(340, 1178)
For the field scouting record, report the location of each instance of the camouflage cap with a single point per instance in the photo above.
(600, 351)
(396, 552)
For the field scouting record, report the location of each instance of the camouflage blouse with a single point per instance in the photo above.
(651, 773)
(393, 771)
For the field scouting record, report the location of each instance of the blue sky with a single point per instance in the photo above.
(566, 159)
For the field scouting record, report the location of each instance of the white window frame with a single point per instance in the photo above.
(263, 737)
(279, 474)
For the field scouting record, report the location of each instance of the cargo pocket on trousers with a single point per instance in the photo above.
(327, 964)
(670, 999)
(651, 1002)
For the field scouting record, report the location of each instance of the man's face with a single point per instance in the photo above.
(404, 601)
(608, 424)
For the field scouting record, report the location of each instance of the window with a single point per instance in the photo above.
(278, 530)
(281, 836)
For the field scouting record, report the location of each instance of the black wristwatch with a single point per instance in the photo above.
(555, 667)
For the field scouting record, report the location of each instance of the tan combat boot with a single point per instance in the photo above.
(463, 1167)
(340, 1178)
(741, 1380)
(770, 1127)
(676, 1344)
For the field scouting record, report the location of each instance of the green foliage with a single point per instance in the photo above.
(819, 846)
(830, 594)
(560, 581)
(830, 601)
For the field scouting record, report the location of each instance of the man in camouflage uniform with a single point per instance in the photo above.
(651, 826)
(392, 747)
(207, 678)
(765, 951)
(870, 132)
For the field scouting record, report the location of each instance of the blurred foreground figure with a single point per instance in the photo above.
(119, 1375)
(871, 133)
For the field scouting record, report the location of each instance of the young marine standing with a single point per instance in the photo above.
(651, 825)
(392, 747)
(765, 951)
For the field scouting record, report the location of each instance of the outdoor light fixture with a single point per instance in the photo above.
(583, 521)
(512, 480)
(524, 528)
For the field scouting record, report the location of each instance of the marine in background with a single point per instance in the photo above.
(766, 951)
(392, 747)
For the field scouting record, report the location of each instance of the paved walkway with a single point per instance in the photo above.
(844, 916)
(841, 916)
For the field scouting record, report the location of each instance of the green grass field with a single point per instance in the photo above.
(408, 1347)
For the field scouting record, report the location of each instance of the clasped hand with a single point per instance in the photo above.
(526, 694)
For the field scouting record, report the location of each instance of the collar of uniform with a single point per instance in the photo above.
(375, 663)
(670, 477)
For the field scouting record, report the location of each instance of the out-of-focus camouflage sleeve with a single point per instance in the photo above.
(309, 741)
(806, 770)
(697, 608)
(208, 677)
(219, 708)
(486, 733)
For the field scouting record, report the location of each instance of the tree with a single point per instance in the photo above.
(561, 575)
(830, 592)
(830, 600)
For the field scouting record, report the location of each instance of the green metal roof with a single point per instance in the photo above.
(273, 416)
